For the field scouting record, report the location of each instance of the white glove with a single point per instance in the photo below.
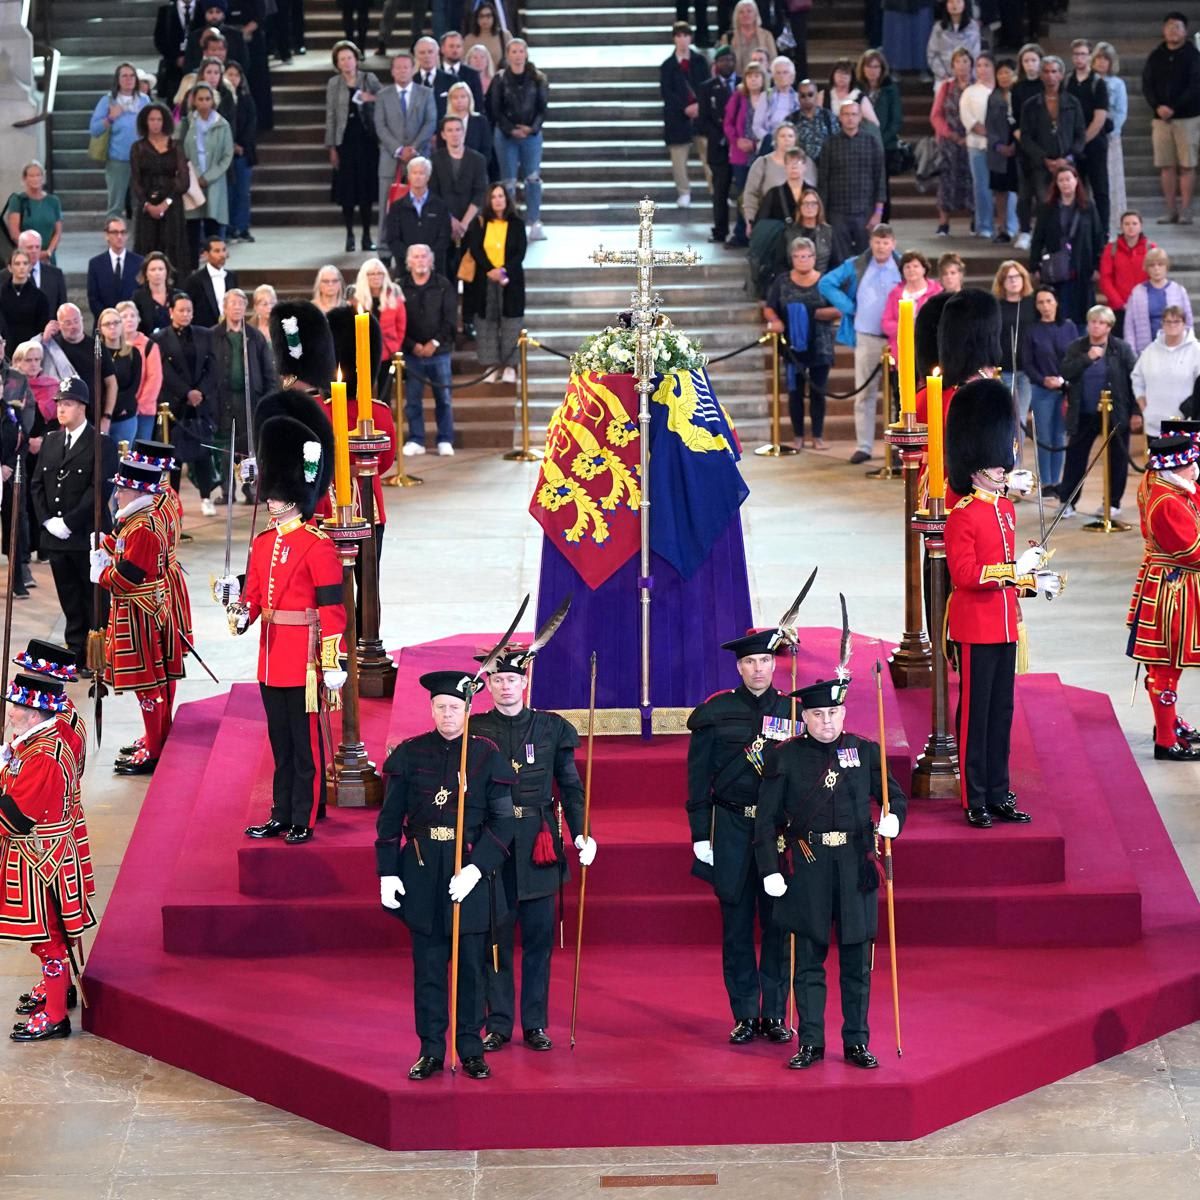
(57, 527)
(463, 883)
(241, 617)
(1029, 560)
(391, 888)
(774, 885)
(1048, 582)
(889, 826)
(587, 850)
(1020, 481)
(6, 753)
(703, 851)
(99, 559)
(248, 469)
(227, 590)
(334, 679)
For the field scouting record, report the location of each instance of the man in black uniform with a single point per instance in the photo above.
(814, 810)
(418, 881)
(540, 748)
(730, 731)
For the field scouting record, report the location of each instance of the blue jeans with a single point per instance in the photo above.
(1051, 430)
(984, 223)
(239, 195)
(1020, 395)
(1012, 225)
(124, 430)
(145, 427)
(524, 154)
(436, 372)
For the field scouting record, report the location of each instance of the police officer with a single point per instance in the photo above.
(814, 822)
(540, 749)
(730, 733)
(417, 880)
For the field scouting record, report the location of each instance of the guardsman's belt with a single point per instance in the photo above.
(750, 811)
(531, 810)
(827, 839)
(435, 833)
(289, 616)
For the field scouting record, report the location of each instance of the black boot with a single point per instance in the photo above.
(978, 818)
(805, 1057)
(774, 1030)
(268, 829)
(860, 1056)
(742, 1032)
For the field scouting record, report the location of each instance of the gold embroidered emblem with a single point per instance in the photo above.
(441, 796)
(781, 843)
(516, 766)
(831, 778)
(758, 744)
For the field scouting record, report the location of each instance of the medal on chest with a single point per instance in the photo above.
(848, 757)
(754, 755)
(831, 778)
(283, 554)
(778, 729)
(441, 796)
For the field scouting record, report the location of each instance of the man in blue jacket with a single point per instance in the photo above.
(858, 289)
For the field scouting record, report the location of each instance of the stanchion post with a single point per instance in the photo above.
(886, 363)
(524, 454)
(1106, 524)
(775, 448)
(401, 478)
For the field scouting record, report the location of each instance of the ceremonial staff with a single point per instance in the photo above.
(887, 858)
(14, 557)
(587, 812)
(96, 653)
(456, 916)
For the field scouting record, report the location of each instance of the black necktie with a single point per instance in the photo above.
(117, 271)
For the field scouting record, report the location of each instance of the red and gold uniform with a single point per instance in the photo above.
(1164, 612)
(47, 877)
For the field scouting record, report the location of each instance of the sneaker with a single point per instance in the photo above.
(860, 456)
(1002, 238)
(509, 375)
(446, 449)
(1168, 219)
(1184, 218)
(247, 236)
(684, 200)
(1113, 513)
(411, 448)
(536, 232)
(1067, 512)
(1022, 242)
(943, 231)
(207, 507)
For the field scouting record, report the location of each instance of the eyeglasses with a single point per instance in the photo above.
(810, 204)
(808, 95)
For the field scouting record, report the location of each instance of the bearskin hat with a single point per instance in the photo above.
(295, 449)
(341, 325)
(925, 334)
(302, 343)
(968, 335)
(981, 431)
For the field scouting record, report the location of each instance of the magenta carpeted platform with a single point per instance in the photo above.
(1025, 953)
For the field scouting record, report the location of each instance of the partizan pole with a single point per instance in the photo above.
(96, 653)
(14, 558)
(587, 814)
(887, 859)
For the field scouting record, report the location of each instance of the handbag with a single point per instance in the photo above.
(97, 149)
(901, 159)
(194, 197)
(398, 188)
(1055, 266)
(466, 267)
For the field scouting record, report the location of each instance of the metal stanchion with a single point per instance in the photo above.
(887, 471)
(776, 448)
(1106, 524)
(163, 422)
(401, 478)
(524, 454)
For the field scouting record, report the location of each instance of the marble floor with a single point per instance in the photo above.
(86, 1119)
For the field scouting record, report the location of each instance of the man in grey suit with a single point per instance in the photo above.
(45, 275)
(404, 122)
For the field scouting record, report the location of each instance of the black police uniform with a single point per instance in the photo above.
(539, 747)
(811, 789)
(421, 804)
(730, 732)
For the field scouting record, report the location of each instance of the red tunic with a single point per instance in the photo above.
(170, 507)
(381, 414)
(1164, 613)
(39, 855)
(981, 549)
(294, 582)
(142, 645)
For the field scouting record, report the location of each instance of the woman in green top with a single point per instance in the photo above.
(35, 208)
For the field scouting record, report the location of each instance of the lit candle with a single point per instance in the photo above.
(362, 362)
(906, 359)
(341, 443)
(937, 456)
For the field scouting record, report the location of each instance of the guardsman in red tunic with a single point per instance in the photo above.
(1164, 613)
(170, 509)
(44, 900)
(987, 574)
(294, 585)
(142, 646)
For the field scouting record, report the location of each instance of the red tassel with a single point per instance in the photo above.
(544, 852)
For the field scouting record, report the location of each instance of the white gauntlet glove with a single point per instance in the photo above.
(333, 678)
(1020, 481)
(226, 590)
(57, 527)
(390, 890)
(1049, 582)
(587, 850)
(99, 559)
(464, 882)
(774, 885)
(1029, 560)
(248, 469)
(703, 851)
(889, 826)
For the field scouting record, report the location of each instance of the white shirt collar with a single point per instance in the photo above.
(215, 272)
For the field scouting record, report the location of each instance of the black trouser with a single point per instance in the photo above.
(361, 8)
(431, 992)
(817, 378)
(295, 784)
(757, 984)
(722, 180)
(854, 968)
(364, 214)
(537, 942)
(24, 524)
(1095, 175)
(799, 23)
(872, 24)
(849, 235)
(701, 28)
(1079, 449)
(70, 569)
(289, 28)
(986, 671)
(1027, 194)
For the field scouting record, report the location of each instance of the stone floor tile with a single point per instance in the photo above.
(667, 1157)
(76, 1137)
(454, 1183)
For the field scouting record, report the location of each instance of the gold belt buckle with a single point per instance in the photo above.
(441, 833)
(834, 839)
(751, 811)
(518, 811)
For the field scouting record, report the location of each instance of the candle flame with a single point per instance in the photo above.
(339, 375)
(937, 371)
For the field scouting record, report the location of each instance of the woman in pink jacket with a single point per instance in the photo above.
(915, 286)
(750, 94)
(152, 375)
